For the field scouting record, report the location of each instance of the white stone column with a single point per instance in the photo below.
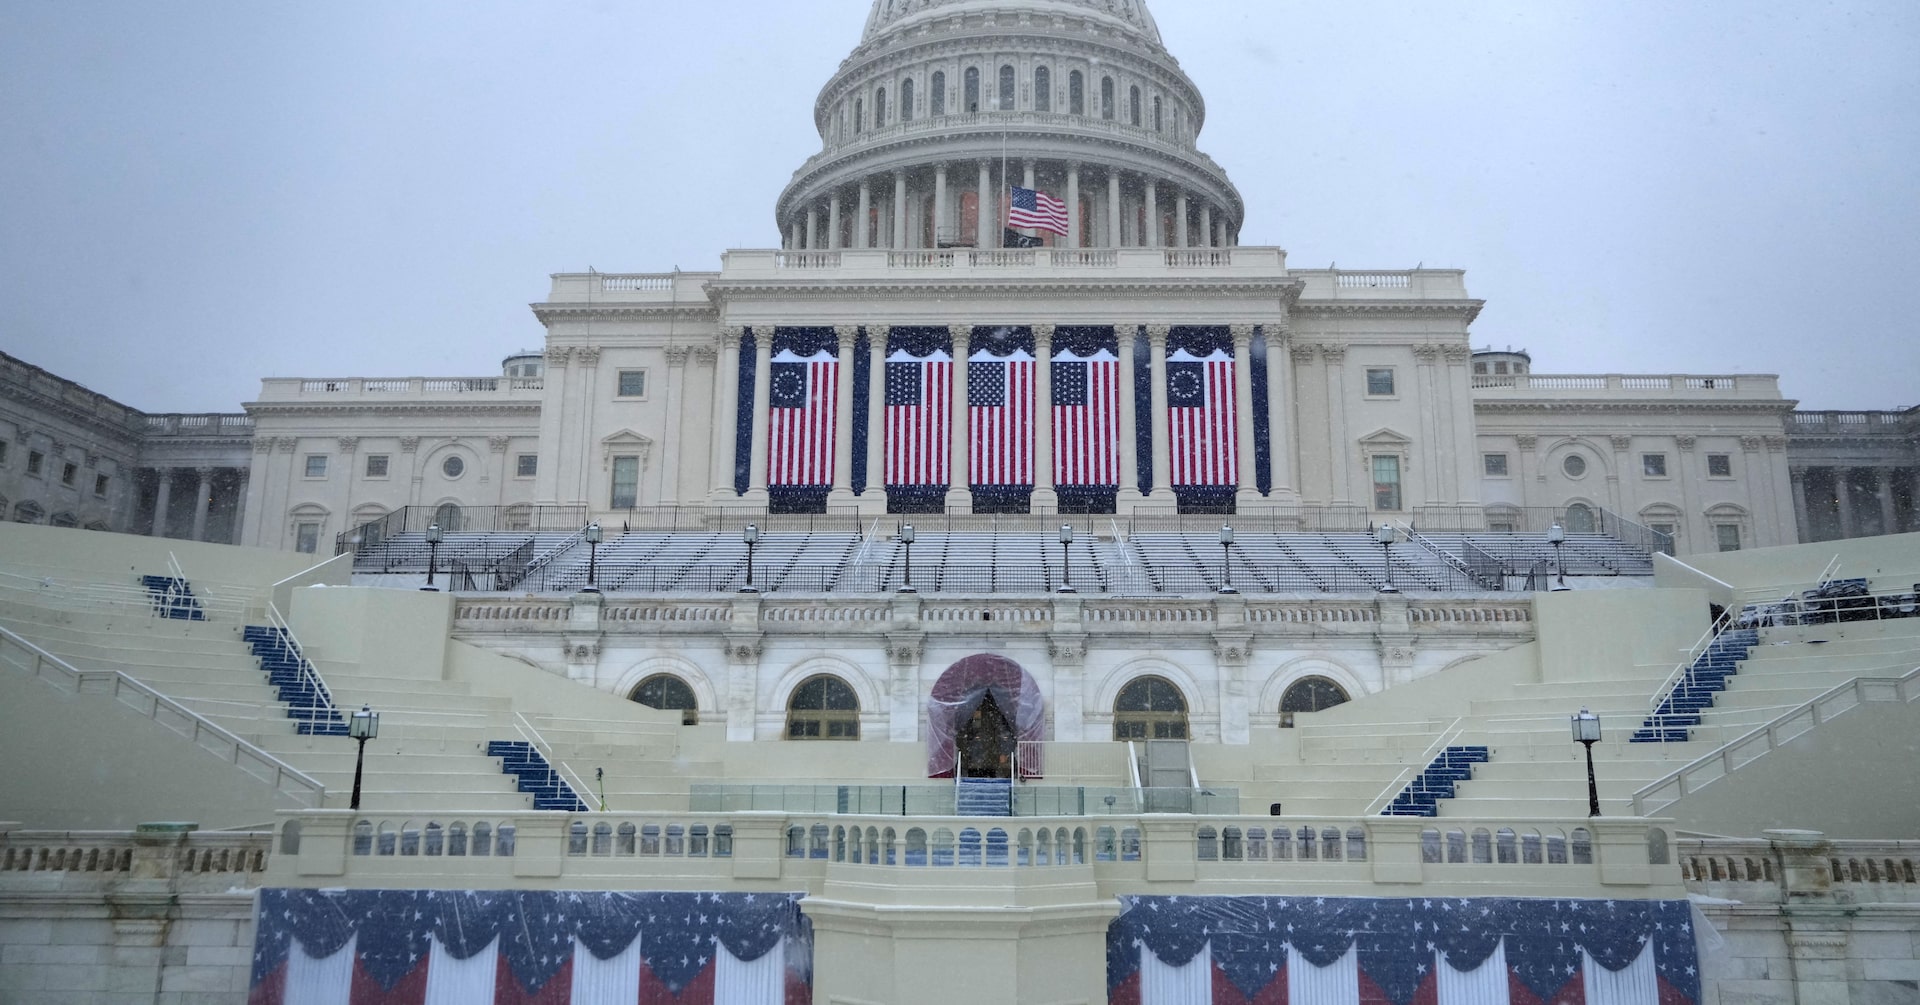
(1151, 238)
(1431, 449)
(983, 222)
(793, 235)
(959, 481)
(833, 222)
(161, 498)
(1113, 209)
(939, 201)
(671, 449)
(1043, 491)
(726, 412)
(813, 226)
(203, 499)
(873, 499)
(1459, 423)
(863, 223)
(842, 494)
(1248, 490)
(762, 389)
(1180, 220)
(1125, 337)
(1843, 499)
(1206, 226)
(1073, 206)
(1799, 478)
(1162, 455)
(1335, 358)
(899, 210)
(1282, 425)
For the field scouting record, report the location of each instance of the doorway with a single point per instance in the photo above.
(986, 741)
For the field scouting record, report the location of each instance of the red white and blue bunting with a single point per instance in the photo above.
(1423, 951)
(434, 947)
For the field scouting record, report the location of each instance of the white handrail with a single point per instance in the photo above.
(1906, 688)
(554, 763)
(307, 670)
(1133, 769)
(1409, 773)
(1694, 652)
(297, 785)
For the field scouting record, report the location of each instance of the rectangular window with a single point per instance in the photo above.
(527, 465)
(377, 465)
(1719, 465)
(316, 465)
(1495, 465)
(1727, 535)
(35, 459)
(1380, 381)
(1480, 369)
(100, 485)
(626, 482)
(1386, 483)
(68, 472)
(1653, 465)
(633, 383)
(1661, 528)
(3, 452)
(307, 538)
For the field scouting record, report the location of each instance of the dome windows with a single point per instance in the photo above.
(937, 99)
(1077, 93)
(880, 108)
(971, 102)
(1007, 88)
(1133, 106)
(906, 100)
(1106, 98)
(1042, 89)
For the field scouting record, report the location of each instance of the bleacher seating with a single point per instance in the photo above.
(535, 776)
(1583, 554)
(308, 704)
(1694, 691)
(1439, 781)
(173, 598)
(984, 797)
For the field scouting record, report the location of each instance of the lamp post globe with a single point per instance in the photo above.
(1226, 559)
(906, 539)
(1385, 535)
(1066, 558)
(750, 534)
(434, 536)
(1557, 536)
(593, 538)
(363, 725)
(1586, 731)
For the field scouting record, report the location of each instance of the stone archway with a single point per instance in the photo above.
(962, 691)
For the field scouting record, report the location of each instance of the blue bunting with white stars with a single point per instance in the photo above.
(1399, 941)
(537, 930)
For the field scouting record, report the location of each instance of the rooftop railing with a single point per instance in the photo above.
(390, 388)
(1689, 384)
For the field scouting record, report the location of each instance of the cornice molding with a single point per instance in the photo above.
(1470, 309)
(1001, 287)
(1666, 405)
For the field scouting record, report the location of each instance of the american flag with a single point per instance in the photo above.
(919, 393)
(487, 947)
(1431, 950)
(1086, 418)
(1000, 418)
(1033, 210)
(1200, 418)
(800, 418)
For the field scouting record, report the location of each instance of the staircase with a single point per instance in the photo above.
(1681, 708)
(308, 704)
(1421, 796)
(536, 776)
(983, 797)
(173, 598)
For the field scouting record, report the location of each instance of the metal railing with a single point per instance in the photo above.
(308, 672)
(1414, 770)
(297, 786)
(557, 769)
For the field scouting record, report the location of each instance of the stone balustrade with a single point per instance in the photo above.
(388, 389)
(1493, 386)
(175, 854)
(1794, 866)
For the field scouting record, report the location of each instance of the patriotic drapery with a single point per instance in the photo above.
(434, 947)
(919, 394)
(1202, 438)
(1420, 951)
(801, 399)
(1000, 417)
(1086, 417)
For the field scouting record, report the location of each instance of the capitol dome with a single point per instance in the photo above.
(946, 104)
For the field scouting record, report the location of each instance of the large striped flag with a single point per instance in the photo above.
(1200, 418)
(919, 394)
(1412, 951)
(1029, 209)
(1086, 418)
(800, 418)
(548, 947)
(1000, 418)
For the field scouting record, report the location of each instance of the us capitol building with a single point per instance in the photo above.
(1236, 589)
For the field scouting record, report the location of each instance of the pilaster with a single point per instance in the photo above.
(1335, 358)
(959, 479)
(1248, 493)
(756, 496)
(1126, 337)
(1157, 396)
(842, 493)
(1045, 499)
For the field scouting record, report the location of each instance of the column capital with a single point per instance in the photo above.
(961, 334)
(287, 444)
(1621, 441)
(1684, 442)
(705, 355)
(1333, 353)
(1157, 336)
(677, 355)
(1044, 332)
(588, 355)
(349, 444)
(205, 472)
(1526, 441)
(1797, 472)
(1426, 353)
(499, 444)
(846, 333)
(1751, 444)
(1302, 354)
(558, 357)
(1458, 353)
(1775, 442)
(1242, 334)
(409, 444)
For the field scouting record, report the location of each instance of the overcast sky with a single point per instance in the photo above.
(195, 195)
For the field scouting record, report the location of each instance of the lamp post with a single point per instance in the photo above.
(1066, 558)
(1384, 535)
(1586, 730)
(1557, 536)
(363, 725)
(751, 535)
(593, 558)
(906, 538)
(434, 535)
(1226, 559)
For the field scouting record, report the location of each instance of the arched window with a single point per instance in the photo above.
(1077, 93)
(1006, 88)
(1106, 98)
(64, 519)
(1133, 106)
(1580, 519)
(859, 114)
(823, 708)
(448, 517)
(667, 692)
(1156, 113)
(906, 100)
(1310, 694)
(880, 108)
(1042, 89)
(937, 96)
(971, 101)
(1150, 708)
(28, 512)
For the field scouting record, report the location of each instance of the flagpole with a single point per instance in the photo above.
(1006, 187)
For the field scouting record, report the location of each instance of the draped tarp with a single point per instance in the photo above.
(413, 947)
(1297, 949)
(962, 688)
